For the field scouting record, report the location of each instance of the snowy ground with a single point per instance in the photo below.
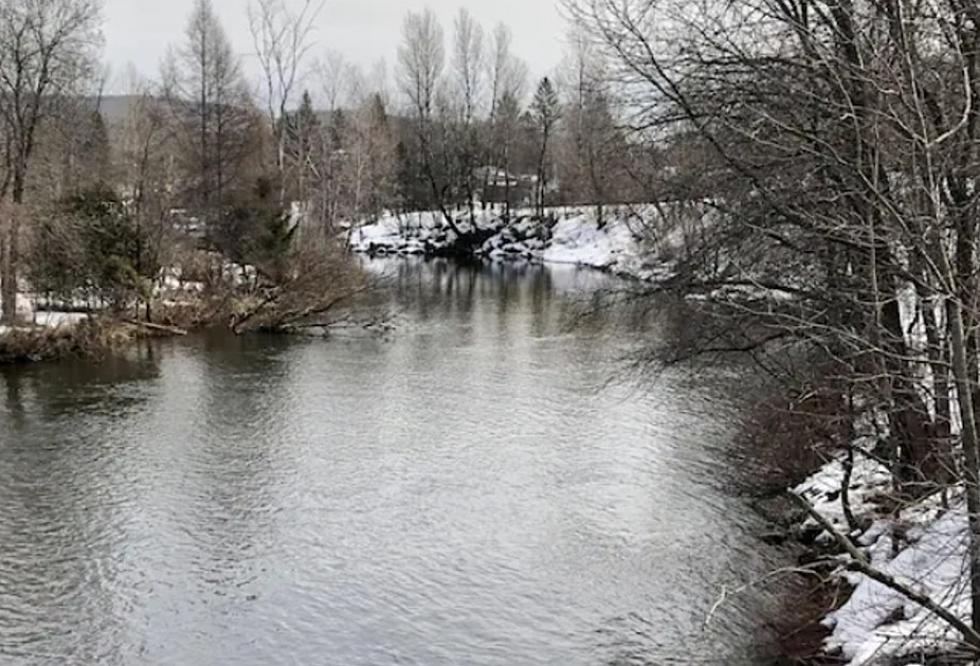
(171, 286)
(34, 318)
(923, 547)
(622, 245)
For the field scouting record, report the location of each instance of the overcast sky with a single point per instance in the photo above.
(138, 32)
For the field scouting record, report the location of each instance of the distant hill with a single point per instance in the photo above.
(115, 108)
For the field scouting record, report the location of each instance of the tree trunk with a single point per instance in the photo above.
(8, 283)
(971, 449)
(9, 263)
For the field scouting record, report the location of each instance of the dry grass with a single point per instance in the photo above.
(91, 338)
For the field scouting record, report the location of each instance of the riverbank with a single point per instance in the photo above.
(317, 293)
(629, 242)
(828, 613)
(922, 545)
(50, 335)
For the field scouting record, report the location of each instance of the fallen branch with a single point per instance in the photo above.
(860, 563)
(728, 592)
(157, 328)
(290, 319)
(238, 323)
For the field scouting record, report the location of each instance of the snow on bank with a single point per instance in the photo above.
(48, 319)
(573, 236)
(171, 286)
(36, 318)
(925, 547)
(878, 624)
(869, 478)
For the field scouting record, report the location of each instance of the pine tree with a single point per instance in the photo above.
(546, 112)
(95, 152)
(338, 130)
(507, 127)
(303, 145)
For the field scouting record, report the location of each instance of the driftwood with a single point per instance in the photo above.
(156, 328)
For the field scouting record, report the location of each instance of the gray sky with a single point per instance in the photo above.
(138, 32)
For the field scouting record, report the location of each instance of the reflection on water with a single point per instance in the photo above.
(470, 490)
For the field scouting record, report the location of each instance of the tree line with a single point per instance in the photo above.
(314, 146)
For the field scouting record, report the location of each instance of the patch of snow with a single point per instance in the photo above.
(878, 624)
(570, 236)
(924, 547)
(579, 240)
(869, 478)
(51, 319)
(46, 319)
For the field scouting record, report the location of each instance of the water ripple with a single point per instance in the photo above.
(473, 490)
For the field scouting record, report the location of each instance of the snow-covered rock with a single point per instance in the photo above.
(569, 236)
(924, 546)
(877, 624)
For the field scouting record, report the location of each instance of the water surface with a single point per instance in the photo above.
(471, 489)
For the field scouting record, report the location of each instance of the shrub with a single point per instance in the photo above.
(89, 247)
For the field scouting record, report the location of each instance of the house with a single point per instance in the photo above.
(500, 186)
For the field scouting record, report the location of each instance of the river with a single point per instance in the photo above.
(477, 487)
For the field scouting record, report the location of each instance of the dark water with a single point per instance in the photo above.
(471, 490)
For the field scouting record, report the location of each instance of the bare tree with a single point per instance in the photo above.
(421, 61)
(468, 74)
(594, 146)
(282, 39)
(46, 48)
(378, 80)
(145, 159)
(507, 77)
(505, 138)
(335, 77)
(368, 162)
(843, 171)
(215, 121)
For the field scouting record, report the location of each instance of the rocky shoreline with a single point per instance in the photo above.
(921, 544)
(571, 236)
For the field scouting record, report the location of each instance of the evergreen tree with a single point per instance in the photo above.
(95, 152)
(506, 129)
(302, 128)
(545, 112)
(303, 146)
(382, 152)
(338, 130)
